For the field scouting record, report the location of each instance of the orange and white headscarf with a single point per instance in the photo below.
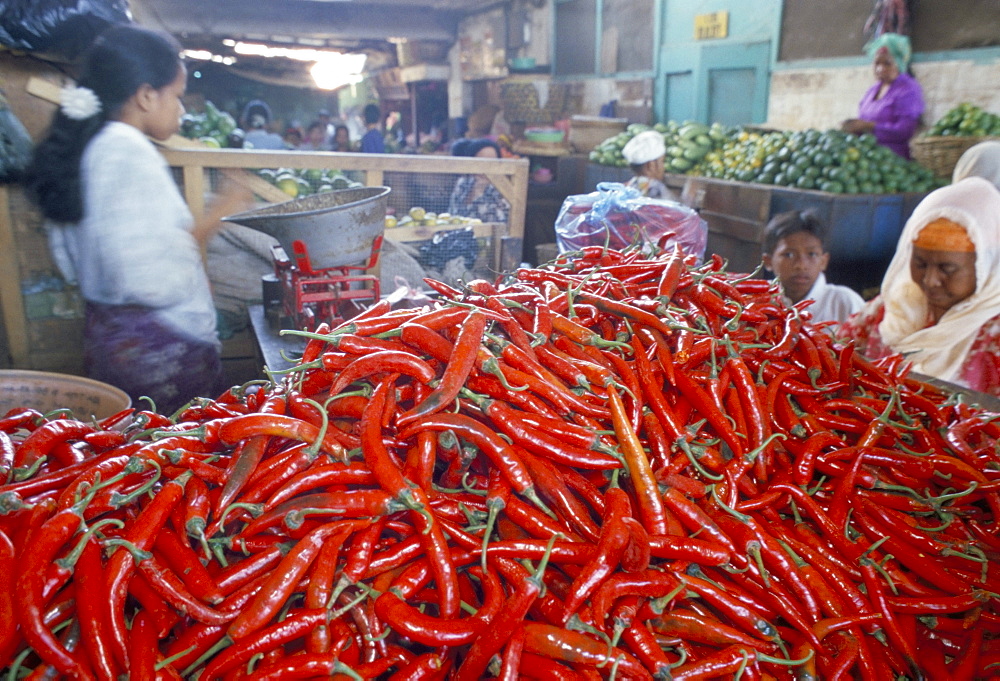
(973, 205)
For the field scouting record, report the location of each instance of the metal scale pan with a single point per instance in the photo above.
(338, 228)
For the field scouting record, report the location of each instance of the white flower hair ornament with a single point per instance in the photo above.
(78, 103)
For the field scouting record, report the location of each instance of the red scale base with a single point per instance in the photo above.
(332, 295)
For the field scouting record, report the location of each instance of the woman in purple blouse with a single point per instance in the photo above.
(891, 108)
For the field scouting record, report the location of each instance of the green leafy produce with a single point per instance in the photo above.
(830, 161)
(214, 127)
(687, 143)
(966, 120)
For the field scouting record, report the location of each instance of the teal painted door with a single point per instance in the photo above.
(734, 83)
(679, 92)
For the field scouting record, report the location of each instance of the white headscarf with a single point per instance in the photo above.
(645, 147)
(940, 350)
(982, 160)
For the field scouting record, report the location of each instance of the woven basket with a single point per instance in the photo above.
(940, 154)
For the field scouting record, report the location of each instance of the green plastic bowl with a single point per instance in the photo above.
(544, 135)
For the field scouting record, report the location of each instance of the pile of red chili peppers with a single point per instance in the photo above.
(614, 466)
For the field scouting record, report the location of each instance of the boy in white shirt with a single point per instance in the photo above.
(794, 252)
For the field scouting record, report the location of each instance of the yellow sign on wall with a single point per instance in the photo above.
(712, 25)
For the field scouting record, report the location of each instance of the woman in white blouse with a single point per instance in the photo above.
(120, 228)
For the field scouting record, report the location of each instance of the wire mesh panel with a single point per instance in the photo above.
(449, 218)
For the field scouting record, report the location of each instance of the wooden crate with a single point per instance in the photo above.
(862, 228)
(736, 213)
(37, 337)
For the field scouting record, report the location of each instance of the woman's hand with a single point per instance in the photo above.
(856, 126)
(232, 198)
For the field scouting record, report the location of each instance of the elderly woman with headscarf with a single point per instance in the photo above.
(940, 299)
(474, 196)
(981, 160)
(891, 108)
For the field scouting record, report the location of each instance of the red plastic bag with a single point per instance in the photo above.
(620, 216)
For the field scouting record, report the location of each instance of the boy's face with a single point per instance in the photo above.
(797, 261)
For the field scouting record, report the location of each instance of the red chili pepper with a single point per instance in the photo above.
(246, 457)
(143, 652)
(281, 633)
(688, 548)
(46, 543)
(611, 544)
(277, 425)
(323, 475)
(650, 583)
(690, 626)
(534, 522)
(502, 627)
(564, 400)
(671, 274)
(19, 417)
(572, 370)
(185, 563)
(639, 471)
(196, 508)
(140, 534)
(579, 649)
(696, 520)
(99, 440)
(9, 637)
(427, 341)
(545, 443)
(889, 622)
(552, 485)
(46, 437)
(285, 578)
(705, 406)
(92, 611)
(302, 666)
(383, 362)
(463, 360)
(503, 456)
(435, 631)
(510, 661)
(319, 592)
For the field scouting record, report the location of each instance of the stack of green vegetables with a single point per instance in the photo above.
(830, 161)
(966, 119)
(610, 467)
(687, 143)
(297, 182)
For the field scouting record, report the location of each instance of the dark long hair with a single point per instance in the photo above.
(121, 60)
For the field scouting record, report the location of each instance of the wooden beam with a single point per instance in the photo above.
(256, 184)
(509, 175)
(194, 190)
(11, 301)
(43, 89)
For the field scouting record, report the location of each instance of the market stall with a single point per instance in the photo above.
(739, 178)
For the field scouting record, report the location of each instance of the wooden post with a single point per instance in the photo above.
(194, 189)
(10, 286)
